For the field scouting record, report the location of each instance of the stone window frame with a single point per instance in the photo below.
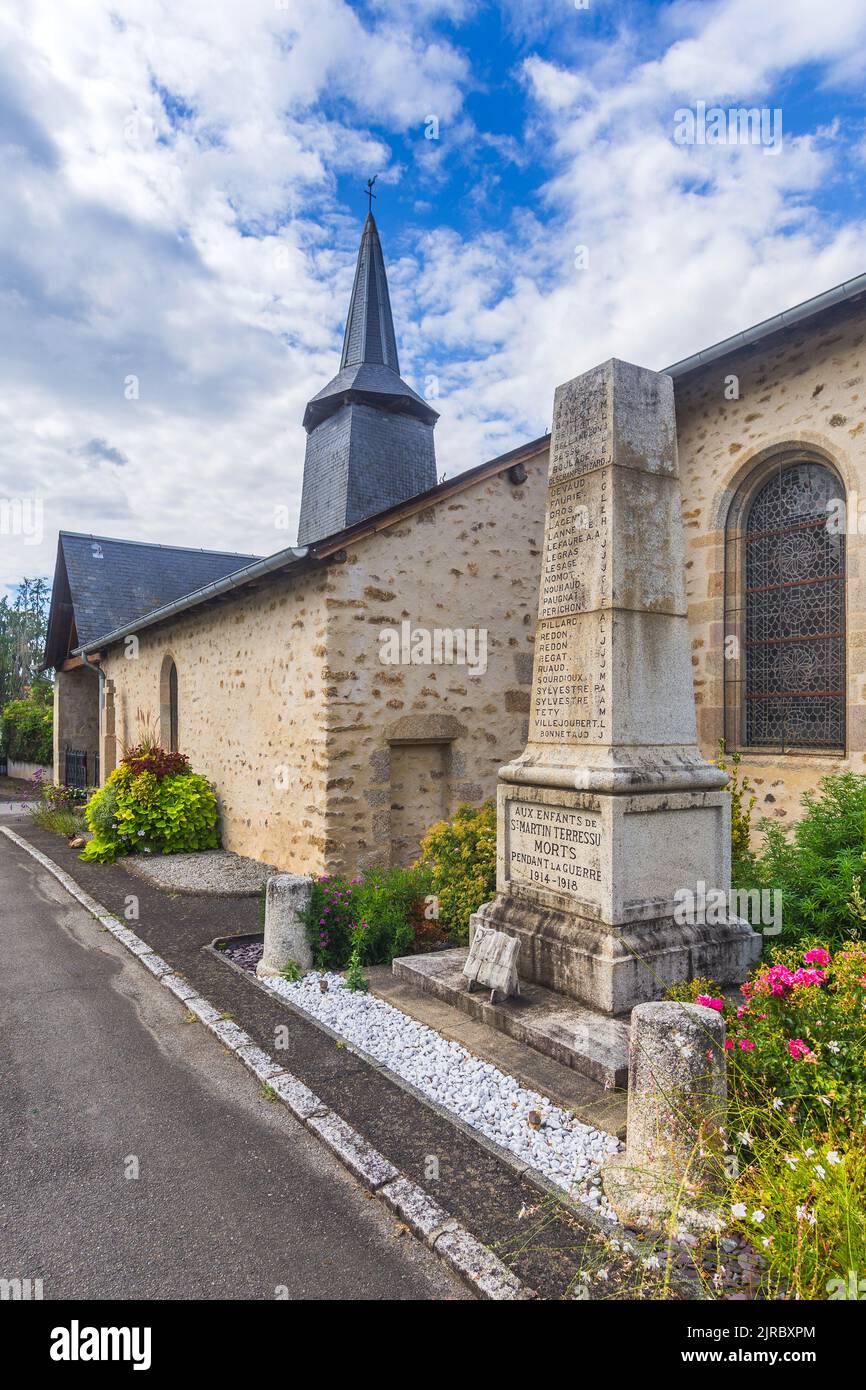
(742, 493)
(169, 704)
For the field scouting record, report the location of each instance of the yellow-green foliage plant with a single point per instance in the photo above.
(153, 803)
(460, 854)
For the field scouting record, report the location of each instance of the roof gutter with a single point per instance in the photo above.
(849, 289)
(292, 555)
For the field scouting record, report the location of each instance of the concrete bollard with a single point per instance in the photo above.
(672, 1169)
(288, 895)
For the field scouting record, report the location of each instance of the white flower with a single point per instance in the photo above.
(801, 1213)
(757, 1216)
(834, 1047)
(738, 1210)
(652, 1262)
(833, 1156)
(777, 1104)
(822, 1172)
(808, 1153)
(744, 1136)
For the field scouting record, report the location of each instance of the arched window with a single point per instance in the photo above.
(168, 705)
(791, 621)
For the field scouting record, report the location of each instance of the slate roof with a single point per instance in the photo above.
(369, 335)
(101, 584)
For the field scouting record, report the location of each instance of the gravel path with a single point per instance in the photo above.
(526, 1123)
(215, 871)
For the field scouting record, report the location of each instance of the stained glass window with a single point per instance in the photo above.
(794, 601)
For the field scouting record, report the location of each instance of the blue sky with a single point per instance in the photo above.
(183, 198)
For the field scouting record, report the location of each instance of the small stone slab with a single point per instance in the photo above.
(259, 1063)
(202, 1009)
(230, 1034)
(492, 961)
(302, 1102)
(420, 1212)
(475, 1262)
(155, 964)
(360, 1157)
(179, 986)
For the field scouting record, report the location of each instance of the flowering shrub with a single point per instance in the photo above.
(461, 857)
(793, 1140)
(373, 915)
(151, 810)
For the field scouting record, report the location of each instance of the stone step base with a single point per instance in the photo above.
(577, 1037)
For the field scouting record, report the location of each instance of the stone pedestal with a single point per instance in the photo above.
(672, 1170)
(612, 810)
(286, 898)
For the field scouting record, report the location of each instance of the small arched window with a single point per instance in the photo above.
(168, 710)
(792, 611)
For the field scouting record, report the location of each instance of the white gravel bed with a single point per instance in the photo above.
(564, 1150)
(216, 871)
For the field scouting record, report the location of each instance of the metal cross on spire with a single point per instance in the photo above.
(370, 194)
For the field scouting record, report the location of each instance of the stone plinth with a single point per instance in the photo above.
(672, 1170)
(287, 897)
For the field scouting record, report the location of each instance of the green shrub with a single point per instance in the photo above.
(815, 865)
(139, 811)
(371, 916)
(460, 855)
(27, 733)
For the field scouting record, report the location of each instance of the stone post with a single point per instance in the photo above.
(671, 1171)
(288, 896)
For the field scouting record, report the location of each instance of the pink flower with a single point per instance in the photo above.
(798, 1049)
(747, 1045)
(729, 1042)
(708, 1003)
(817, 956)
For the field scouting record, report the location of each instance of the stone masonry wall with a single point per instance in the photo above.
(804, 388)
(285, 705)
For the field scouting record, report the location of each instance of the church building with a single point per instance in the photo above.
(345, 693)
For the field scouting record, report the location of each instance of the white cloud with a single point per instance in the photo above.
(171, 212)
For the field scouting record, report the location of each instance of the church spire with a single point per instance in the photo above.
(369, 435)
(369, 333)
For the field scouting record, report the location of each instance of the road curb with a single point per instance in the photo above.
(480, 1268)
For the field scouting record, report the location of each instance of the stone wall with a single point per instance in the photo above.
(325, 757)
(803, 390)
(76, 717)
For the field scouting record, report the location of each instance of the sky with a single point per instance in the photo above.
(183, 196)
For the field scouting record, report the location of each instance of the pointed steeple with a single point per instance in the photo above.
(370, 436)
(369, 333)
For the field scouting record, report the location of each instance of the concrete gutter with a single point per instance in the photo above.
(839, 294)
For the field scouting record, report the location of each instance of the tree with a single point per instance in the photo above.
(23, 630)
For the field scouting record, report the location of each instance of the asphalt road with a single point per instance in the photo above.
(100, 1077)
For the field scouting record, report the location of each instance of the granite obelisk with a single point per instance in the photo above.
(612, 810)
